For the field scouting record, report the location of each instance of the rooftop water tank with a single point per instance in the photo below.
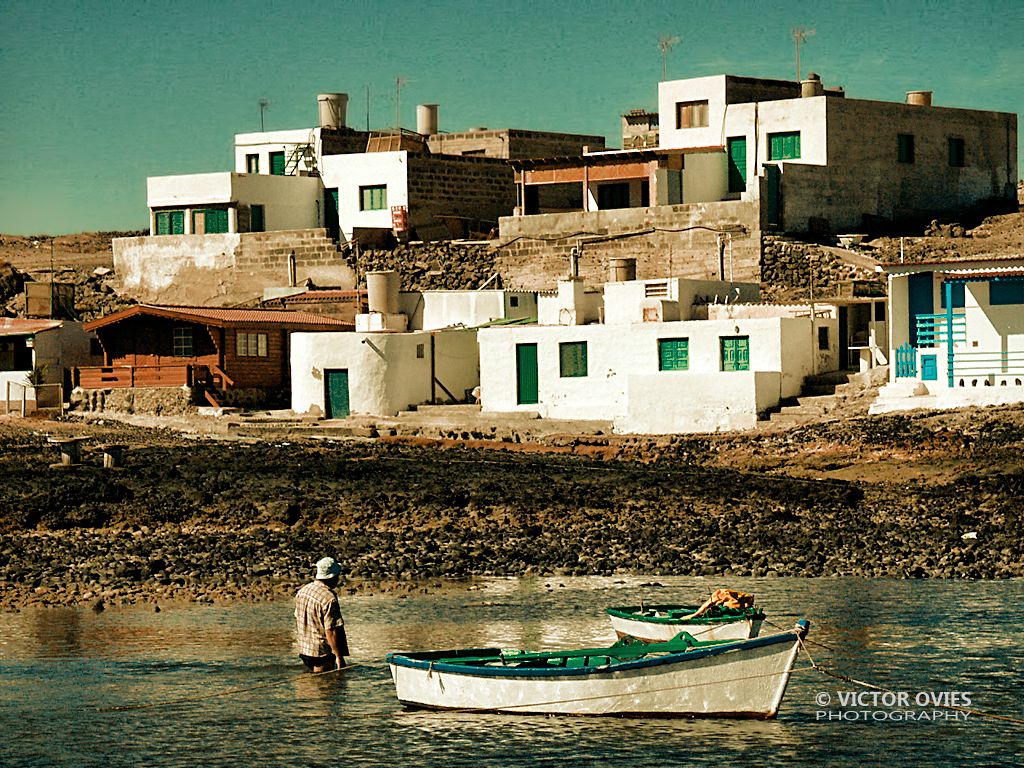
(333, 107)
(426, 119)
(919, 98)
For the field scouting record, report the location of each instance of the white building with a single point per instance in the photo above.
(411, 348)
(649, 367)
(957, 333)
(48, 347)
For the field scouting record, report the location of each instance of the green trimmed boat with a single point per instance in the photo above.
(659, 623)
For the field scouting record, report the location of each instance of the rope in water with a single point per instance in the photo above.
(229, 692)
(872, 686)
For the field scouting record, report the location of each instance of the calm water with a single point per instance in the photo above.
(58, 667)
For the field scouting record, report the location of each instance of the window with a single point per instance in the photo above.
(572, 359)
(735, 353)
(613, 195)
(277, 163)
(958, 295)
(419, 351)
(373, 198)
(257, 220)
(252, 163)
(170, 222)
(210, 221)
(784, 146)
(692, 114)
(823, 338)
(1006, 292)
(956, 153)
(673, 354)
(880, 312)
(251, 344)
(183, 342)
(513, 301)
(905, 148)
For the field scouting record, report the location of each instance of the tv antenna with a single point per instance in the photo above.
(264, 102)
(399, 82)
(666, 43)
(800, 35)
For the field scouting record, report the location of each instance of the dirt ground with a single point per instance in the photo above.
(214, 518)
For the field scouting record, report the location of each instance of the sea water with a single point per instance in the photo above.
(221, 685)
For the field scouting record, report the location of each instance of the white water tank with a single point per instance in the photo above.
(426, 119)
(382, 291)
(333, 108)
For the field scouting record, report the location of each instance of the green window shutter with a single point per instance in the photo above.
(163, 223)
(673, 354)
(572, 359)
(373, 198)
(177, 222)
(784, 146)
(735, 353)
(277, 163)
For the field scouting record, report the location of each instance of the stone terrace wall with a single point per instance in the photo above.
(535, 250)
(434, 266)
(480, 189)
(787, 264)
(224, 269)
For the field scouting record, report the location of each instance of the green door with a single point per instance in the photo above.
(336, 395)
(331, 212)
(774, 192)
(526, 374)
(737, 163)
(277, 163)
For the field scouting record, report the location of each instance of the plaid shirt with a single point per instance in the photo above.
(316, 610)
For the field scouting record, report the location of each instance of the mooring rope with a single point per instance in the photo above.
(872, 686)
(245, 689)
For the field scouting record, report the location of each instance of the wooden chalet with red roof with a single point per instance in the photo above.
(221, 353)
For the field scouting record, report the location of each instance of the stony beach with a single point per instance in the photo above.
(194, 517)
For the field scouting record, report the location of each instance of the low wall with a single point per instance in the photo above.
(160, 401)
(225, 269)
(669, 240)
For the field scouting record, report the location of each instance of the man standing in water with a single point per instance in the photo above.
(319, 628)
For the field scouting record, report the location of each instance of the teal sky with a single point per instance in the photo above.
(96, 96)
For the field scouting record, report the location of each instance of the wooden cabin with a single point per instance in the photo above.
(218, 352)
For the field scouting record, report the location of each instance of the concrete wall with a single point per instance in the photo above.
(624, 302)
(623, 372)
(388, 372)
(428, 310)
(225, 269)
(265, 142)
(479, 189)
(529, 258)
(512, 143)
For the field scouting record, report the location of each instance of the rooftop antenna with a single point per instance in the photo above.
(800, 35)
(367, 108)
(264, 102)
(666, 43)
(399, 82)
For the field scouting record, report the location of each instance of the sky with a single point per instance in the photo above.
(96, 96)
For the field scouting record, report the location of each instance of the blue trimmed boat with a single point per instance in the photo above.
(659, 623)
(683, 677)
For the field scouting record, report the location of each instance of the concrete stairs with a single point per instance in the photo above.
(829, 397)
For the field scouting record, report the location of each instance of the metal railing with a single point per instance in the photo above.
(934, 330)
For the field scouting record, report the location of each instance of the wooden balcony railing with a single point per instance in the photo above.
(119, 376)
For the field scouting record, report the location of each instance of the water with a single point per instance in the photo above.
(59, 667)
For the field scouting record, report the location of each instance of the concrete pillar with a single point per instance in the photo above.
(233, 219)
(152, 222)
(188, 221)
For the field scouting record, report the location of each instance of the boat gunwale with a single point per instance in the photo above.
(407, 660)
(628, 613)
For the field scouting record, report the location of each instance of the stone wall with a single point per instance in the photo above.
(677, 240)
(160, 401)
(788, 264)
(224, 269)
(434, 266)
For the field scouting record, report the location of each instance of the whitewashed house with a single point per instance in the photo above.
(650, 366)
(411, 348)
(46, 347)
(956, 329)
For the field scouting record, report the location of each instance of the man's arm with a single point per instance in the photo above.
(332, 640)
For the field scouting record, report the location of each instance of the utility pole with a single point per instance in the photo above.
(666, 43)
(264, 103)
(399, 82)
(800, 35)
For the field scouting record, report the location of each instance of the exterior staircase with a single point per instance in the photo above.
(829, 397)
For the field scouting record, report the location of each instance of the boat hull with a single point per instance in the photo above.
(649, 632)
(742, 679)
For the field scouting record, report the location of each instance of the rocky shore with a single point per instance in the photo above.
(198, 518)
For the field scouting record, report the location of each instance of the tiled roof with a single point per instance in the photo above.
(20, 326)
(312, 297)
(220, 316)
